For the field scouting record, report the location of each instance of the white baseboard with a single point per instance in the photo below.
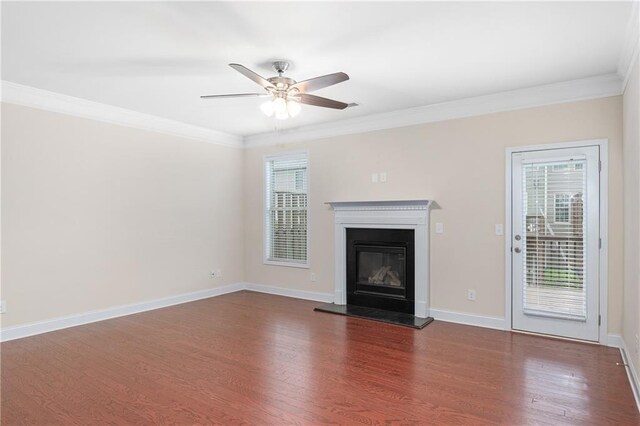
(632, 372)
(617, 341)
(59, 323)
(298, 294)
(468, 319)
(614, 341)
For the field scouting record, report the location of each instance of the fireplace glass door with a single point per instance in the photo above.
(381, 268)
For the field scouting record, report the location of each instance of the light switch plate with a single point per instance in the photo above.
(439, 228)
(374, 178)
(499, 229)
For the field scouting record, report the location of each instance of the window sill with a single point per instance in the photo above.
(287, 264)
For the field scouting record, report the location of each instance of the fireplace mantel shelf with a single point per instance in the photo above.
(383, 205)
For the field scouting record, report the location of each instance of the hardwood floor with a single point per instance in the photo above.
(260, 359)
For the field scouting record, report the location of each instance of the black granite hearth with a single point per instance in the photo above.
(397, 318)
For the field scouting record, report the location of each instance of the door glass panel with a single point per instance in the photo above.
(554, 273)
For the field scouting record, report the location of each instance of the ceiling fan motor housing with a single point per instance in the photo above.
(282, 83)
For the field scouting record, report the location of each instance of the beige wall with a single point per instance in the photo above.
(631, 149)
(96, 215)
(460, 164)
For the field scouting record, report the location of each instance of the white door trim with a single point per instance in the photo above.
(603, 144)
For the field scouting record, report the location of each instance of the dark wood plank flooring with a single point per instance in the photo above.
(260, 359)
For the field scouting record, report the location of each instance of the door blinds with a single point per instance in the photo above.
(554, 239)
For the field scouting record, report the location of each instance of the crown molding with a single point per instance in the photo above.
(19, 94)
(631, 46)
(569, 91)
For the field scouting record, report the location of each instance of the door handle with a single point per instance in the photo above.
(517, 250)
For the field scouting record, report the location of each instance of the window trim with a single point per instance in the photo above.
(266, 223)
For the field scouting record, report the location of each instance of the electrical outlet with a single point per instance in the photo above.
(313, 277)
(218, 273)
(383, 176)
(3, 308)
(471, 295)
(374, 178)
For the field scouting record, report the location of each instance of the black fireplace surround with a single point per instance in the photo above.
(381, 269)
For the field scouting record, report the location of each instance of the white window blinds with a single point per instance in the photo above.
(286, 209)
(554, 249)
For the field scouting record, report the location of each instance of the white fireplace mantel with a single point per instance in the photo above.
(405, 214)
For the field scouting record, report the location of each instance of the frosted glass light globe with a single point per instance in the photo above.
(267, 108)
(280, 106)
(294, 108)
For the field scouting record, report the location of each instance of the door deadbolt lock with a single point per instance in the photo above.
(518, 237)
(517, 250)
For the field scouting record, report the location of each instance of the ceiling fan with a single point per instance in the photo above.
(287, 94)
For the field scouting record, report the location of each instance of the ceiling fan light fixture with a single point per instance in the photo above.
(280, 106)
(293, 107)
(267, 108)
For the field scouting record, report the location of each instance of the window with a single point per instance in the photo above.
(286, 209)
(561, 208)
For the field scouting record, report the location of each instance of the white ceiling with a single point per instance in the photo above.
(157, 58)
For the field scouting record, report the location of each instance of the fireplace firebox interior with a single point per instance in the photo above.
(380, 269)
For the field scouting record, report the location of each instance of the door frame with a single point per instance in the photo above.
(603, 144)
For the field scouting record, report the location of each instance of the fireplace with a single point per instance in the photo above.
(407, 216)
(380, 268)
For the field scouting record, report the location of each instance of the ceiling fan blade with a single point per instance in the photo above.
(320, 82)
(236, 95)
(305, 98)
(253, 76)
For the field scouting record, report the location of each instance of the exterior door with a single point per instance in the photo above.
(556, 241)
